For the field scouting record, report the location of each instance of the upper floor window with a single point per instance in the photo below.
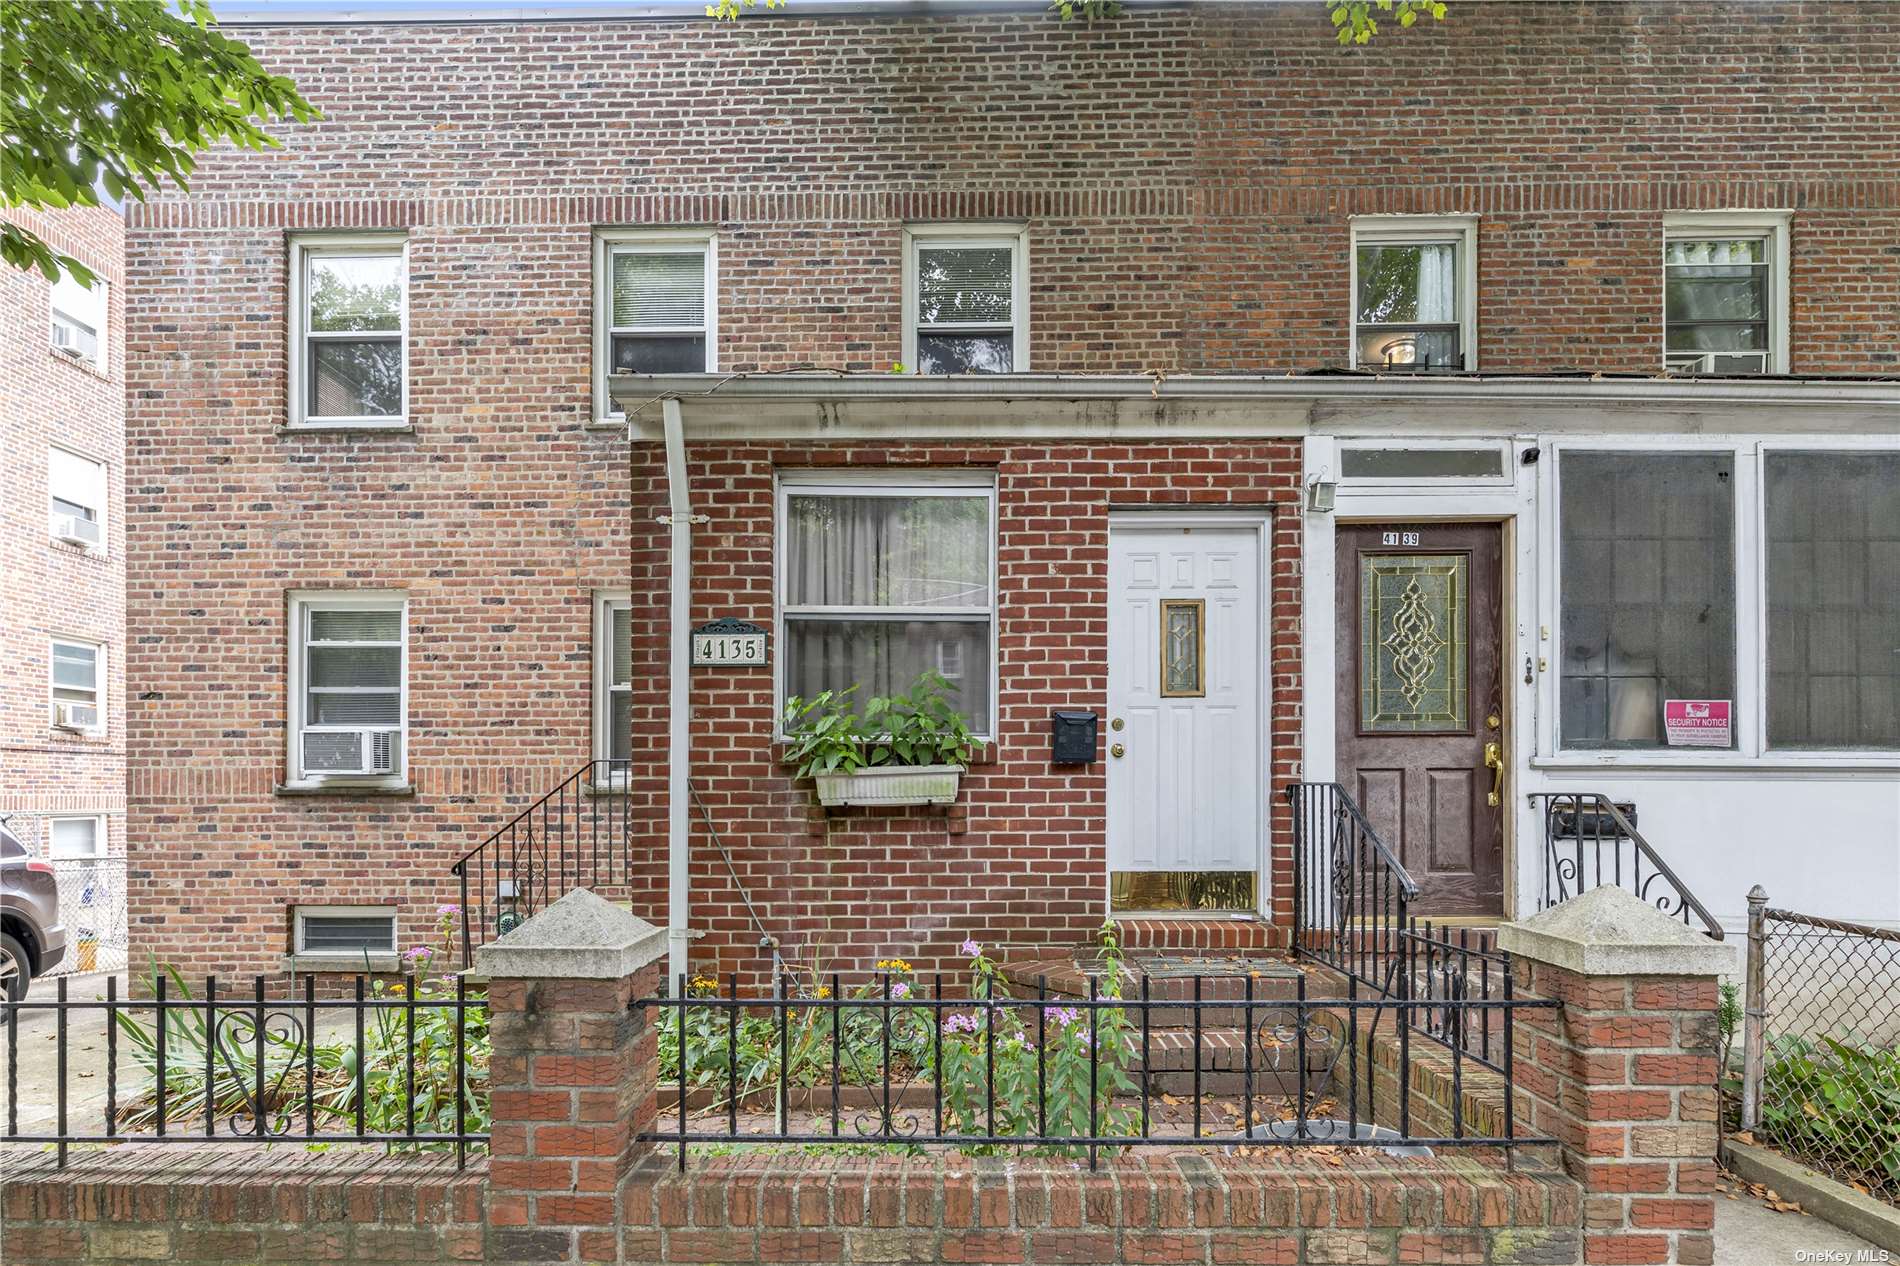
(79, 320)
(348, 695)
(882, 580)
(79, 686)
(966, 299)
(1414, 288)
(656, 303)
(77, 487)
(349, 331)
(1725, 287)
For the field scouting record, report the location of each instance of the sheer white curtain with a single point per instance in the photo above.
(1437, 283)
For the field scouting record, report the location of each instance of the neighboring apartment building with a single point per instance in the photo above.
(1313, 422)
(62, 556)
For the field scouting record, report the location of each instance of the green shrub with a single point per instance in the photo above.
(1835, 1105)
(825, 735)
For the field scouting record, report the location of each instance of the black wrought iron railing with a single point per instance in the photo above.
(1442, 968)
(1589, 841)
(576, 836)
(1181, 1062)
(401, 1063)
(1351, 896)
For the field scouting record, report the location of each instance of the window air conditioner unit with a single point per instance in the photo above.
(75, 716)
(1721, 364)
(65, 339)
(358, 752)
(74, 530)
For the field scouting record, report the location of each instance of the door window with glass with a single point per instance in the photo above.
(351, 687)
(351, 318)
(967, 310)
(1717, 304)
(882, 583)
(1647, 543)
(1832, 521)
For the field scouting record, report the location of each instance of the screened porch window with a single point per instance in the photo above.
(881, 584)
(1833, 573)
(1648, 591)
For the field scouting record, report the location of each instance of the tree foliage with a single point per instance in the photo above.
(1356, 21)
(111, 97)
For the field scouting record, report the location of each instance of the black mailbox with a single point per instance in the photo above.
(1072, 741)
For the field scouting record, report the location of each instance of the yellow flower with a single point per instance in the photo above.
(893, 964)
(824, 991)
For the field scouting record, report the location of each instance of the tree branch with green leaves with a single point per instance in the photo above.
(108, 98)
(1355, 21)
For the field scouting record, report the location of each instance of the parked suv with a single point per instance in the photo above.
(31, 939)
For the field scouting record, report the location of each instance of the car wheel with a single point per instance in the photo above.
(16, 972)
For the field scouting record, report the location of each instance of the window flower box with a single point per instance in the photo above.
(890, 785)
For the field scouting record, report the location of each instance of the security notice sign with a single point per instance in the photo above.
(1697, 722)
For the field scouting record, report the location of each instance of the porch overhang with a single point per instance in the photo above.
(808, 405)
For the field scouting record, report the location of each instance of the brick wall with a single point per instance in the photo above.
(1186, 177)
(51, 588)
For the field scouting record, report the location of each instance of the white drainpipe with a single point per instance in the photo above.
(679, 711)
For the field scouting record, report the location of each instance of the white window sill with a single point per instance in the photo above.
(611, 787)
(346, 787)
(343, 964)
(395, 426)
(1667, 761)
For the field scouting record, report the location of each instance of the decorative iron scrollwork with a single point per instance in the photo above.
(236, 1038)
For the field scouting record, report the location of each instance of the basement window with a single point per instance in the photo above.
(344, 932)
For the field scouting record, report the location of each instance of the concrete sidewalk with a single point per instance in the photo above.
(1748, 1233)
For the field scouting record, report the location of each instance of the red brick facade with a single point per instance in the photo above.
(1186, 178)
(51, 588)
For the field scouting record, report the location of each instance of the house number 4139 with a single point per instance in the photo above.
(1400, 538)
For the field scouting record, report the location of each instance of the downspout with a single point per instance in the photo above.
(679, 710)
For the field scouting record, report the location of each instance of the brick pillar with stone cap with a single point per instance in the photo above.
(573, 1076)
(1624, 1075)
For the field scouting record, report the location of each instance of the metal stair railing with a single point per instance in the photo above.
(1589, 841)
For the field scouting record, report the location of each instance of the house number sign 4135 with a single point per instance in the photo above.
(729, 643)
(1398, 538)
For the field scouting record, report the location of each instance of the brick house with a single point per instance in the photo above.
(1312, 422)
(63, 540)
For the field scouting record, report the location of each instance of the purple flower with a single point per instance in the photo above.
(419, 952)
(900, 990)
(971, 949)
(1062, 1016)
(959, 1023)
(448, 908)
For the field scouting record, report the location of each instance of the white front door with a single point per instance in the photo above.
(1187, 791)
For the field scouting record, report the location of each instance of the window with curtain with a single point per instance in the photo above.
(350, 657)
(881, 584)
(965, 320)
(615, 704)
(657, 321)
(352, 325)
(1833, 592)
(1647, 545)
(1406, 313)
(1716, 304)
(78, 686)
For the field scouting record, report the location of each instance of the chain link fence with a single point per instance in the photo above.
(1821, 1046)
(92, 909)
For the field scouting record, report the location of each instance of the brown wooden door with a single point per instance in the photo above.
(1420, 694)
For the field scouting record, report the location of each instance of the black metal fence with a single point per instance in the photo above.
(1821, 1045)
(1179, 1062)
(579, 835)
(1351, 896)
(402, 1063)
(1590, 841)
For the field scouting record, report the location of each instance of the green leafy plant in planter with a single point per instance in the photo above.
(826, 735)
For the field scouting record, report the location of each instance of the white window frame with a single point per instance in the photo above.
(889, 483)
(1750, 714)
(1438, 484)
(305, 247)
(102, 491)
(609, 242)
(99, 681)
(301, 603)
(1770, 227)
(378, 958)
(606, 602)
(1461, 231)
(101, 846)
(976, 236)
(100, 300)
